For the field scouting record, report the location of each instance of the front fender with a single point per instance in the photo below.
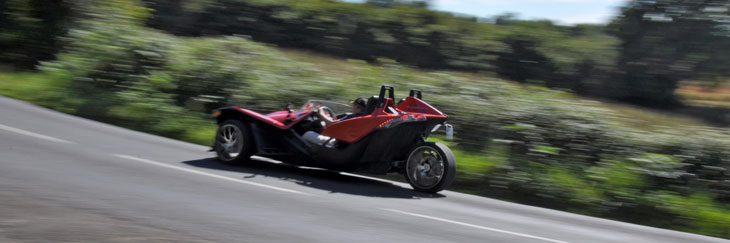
(235, 112)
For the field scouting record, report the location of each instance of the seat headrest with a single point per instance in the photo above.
(372, 103)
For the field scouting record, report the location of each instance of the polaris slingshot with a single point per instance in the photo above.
(386, 138)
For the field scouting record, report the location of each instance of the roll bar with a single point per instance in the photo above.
(381, 97)
(416, 92)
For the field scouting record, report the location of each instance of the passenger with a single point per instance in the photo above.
(358, 109)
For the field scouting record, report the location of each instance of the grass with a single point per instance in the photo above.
(39, 88)
(47, 91)
(473, 164)
(20, 85)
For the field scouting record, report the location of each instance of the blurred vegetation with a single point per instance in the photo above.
(666, 41)
(638, 58)
(524, 143)
(30, 30)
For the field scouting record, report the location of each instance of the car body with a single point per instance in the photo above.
(387, 138)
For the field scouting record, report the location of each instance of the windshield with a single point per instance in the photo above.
(338, 108)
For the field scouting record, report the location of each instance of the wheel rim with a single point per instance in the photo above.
(230, 142)
(425, 167)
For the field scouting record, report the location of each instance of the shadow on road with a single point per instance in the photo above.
(331, 181)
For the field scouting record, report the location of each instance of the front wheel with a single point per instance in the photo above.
(233, 142)
(430, 167)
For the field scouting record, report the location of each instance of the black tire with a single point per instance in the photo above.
(229, 152)
(425, 177)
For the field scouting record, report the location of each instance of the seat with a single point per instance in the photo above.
(371, 105)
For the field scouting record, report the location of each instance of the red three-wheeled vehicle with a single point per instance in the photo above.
(385, 138)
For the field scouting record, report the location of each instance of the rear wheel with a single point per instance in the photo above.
(430, 167)
(233, 142)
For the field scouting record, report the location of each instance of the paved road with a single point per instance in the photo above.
(68, 179)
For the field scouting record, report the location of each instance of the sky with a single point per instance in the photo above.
(562, 11)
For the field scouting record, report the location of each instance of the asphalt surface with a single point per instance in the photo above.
(68, 179)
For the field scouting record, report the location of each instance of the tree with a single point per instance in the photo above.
(390, 3)
(666, 41)
(30, 30)
(523, 63)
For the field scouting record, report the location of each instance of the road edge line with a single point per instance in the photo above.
(32, 134)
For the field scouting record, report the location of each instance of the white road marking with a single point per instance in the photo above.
(32, 134)
(208, 174)
(401, 184)
(474, 226)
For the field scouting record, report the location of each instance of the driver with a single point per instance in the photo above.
(358, 109)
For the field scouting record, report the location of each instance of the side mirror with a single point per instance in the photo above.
(288, 108)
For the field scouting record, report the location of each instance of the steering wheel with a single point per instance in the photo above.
(328, 111)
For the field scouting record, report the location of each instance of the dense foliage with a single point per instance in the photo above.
(658, 42)
(535, 51)
(639, 58)
(30, 30)
(666, 41)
